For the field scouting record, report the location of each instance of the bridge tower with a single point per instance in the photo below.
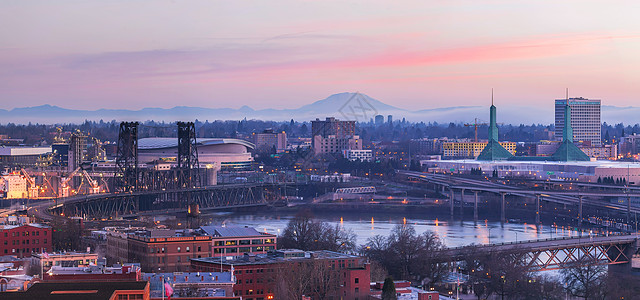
(126, 177)
(188, 166)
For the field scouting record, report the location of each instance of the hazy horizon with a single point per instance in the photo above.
(412, 54)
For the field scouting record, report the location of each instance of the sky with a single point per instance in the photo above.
(283, 54)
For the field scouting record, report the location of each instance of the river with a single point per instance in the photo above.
(453, 233)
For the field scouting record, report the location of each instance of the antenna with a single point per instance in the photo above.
(491, 96)
(567, 96)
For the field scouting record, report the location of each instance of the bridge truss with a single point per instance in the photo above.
(552, 254)
(108, 206)
(357, 190)
(554, 259)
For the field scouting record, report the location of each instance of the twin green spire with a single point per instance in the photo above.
(566, 152)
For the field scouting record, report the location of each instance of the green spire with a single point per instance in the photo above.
(493, 150)
(567, 150)
(567, 131)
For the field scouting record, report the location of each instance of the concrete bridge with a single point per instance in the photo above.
(553, 254)
(572, 197)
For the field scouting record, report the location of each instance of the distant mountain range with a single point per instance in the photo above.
(346, 106)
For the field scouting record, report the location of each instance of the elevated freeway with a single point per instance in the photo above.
(571, 197)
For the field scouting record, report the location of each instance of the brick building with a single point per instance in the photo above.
(158, 250)
(94, 290)
(236, 241)
(22, 240)
(256, 274)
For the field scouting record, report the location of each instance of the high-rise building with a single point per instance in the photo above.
(269, 140)
(585, 119)
(379, 120)
(390, 119)
(332, 127)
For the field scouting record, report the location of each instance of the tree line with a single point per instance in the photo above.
(407, 255)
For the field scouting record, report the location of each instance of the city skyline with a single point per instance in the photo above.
(416, 55)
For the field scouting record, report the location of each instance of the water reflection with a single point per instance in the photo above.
(453, 234)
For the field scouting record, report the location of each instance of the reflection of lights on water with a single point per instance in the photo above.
(404, 221)
(436, 222)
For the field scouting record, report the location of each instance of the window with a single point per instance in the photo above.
(357, 280)
(188, 249)
(199, 249)
(245, 242)
(178, 249)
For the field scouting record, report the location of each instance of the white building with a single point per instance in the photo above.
(14, 186)
(361, 155)
(582, 171)
(226, 153)
(585, 120)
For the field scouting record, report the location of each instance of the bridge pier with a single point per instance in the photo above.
(580, 212)
(462, 203)
(475, 206)
(502, 214)
(451, 200)
(537, 208)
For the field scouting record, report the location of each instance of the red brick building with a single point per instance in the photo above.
(236, 241)
(158, 250)
(256, 274)
(22, 240)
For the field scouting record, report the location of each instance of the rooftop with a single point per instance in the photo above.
(161, 142)
(230, 231)
(75, 290)
(37, 225)
(274, 257)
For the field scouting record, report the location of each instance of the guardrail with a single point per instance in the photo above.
(537, 241)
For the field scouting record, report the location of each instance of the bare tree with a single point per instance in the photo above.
(292, 282)
(309, 277)
(585, 278)
(305, 233)
(407, 255)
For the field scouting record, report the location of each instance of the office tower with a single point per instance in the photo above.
(585, 120)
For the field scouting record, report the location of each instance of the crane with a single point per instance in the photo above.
(64, 183)
(94, 186)
(33, 189)
(475, 125)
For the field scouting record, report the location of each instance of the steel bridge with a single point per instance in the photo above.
(553, 254)
(108, 206)
(357, 190)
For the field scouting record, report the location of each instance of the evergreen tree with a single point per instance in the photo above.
(389, 290)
